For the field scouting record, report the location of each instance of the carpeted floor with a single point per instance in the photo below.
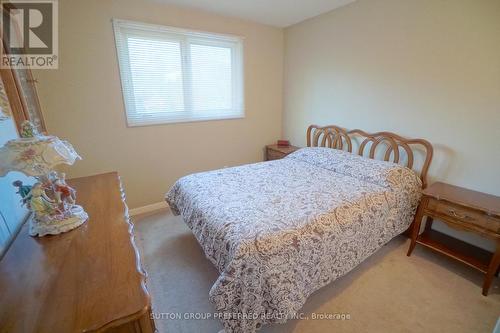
(389, 292)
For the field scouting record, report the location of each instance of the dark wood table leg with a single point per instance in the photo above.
(492, 269)
(428, 224)
(416, 225)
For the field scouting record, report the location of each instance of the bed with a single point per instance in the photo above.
(277, 231)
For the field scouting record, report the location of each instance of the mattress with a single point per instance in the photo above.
(278, 231)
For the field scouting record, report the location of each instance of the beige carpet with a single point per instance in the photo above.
(389, 292)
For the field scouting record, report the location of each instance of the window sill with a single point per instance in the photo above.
(183, 120)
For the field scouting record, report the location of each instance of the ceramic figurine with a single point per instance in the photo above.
(53, 204)
(40, 203)
(23, 190)
(51, 199)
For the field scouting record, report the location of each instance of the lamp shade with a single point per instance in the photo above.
(36, 155)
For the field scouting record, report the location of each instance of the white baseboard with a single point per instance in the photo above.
(149, 209)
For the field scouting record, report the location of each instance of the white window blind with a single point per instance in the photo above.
(176, 75)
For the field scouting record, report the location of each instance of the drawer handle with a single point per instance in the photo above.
(458, 215)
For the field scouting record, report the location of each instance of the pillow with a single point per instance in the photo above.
(378, 172)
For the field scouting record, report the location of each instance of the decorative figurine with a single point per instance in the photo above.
(51, 199)
(23, 190)
(40, 203)
(64, 194)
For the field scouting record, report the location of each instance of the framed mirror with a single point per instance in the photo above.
(20, 90)
(18, 102)
(12, 213)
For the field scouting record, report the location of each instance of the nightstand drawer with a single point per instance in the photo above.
(465, 215)
(274, 155)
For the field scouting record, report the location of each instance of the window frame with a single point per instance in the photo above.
(186, 38)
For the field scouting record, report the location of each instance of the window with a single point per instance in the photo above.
(175, 75)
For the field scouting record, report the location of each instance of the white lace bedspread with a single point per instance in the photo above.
(278, 231)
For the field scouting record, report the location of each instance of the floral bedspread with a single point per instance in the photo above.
(277, 231)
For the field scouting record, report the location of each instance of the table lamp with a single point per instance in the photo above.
(50, 199)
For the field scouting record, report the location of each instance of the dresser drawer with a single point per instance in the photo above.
(465, 215)
(274, 155)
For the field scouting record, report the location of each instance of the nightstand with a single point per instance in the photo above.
(465, 210)
(275, 152)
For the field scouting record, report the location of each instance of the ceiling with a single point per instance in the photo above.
(279, 13)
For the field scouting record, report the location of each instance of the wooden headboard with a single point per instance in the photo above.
(395, 146)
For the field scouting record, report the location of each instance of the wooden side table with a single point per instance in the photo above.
(464, 210)
(275, 152)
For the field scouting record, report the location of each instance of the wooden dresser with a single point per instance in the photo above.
(86, 280)
(465, 210)
(275, 152)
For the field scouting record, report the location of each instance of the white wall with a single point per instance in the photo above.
(421, 68)
(82, 100)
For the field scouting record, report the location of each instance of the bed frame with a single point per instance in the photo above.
(339, 138)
